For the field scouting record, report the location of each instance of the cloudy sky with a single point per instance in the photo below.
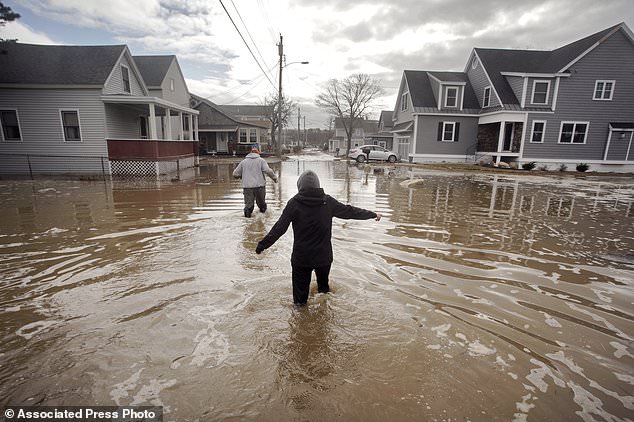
(338, 37)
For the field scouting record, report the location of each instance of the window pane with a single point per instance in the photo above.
(487, 95)
(539, 97)
(538, 132)
(607, 93)
(452, 93)
(9, 118)
(580, 133)
(70, 118)
(448, 132)
(566, 133)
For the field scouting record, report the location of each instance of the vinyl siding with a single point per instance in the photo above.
(551, 92)
(427, 136)
(458, 97)
(123, 122)
(613, 60)
(115, 84)
(403, 116)
(435, 87)
(517, 85)
(180, 95)
(479, 81)
(42, 133)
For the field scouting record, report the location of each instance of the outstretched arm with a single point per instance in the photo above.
(237, 173)
(278, 229)
(349, 212)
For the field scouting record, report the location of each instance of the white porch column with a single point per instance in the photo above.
(190, 132)
(500, 140)
(152, 122)
(168, 116)
(196, 128)
(180, 126)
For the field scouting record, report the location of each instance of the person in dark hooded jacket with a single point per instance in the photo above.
(311, 212)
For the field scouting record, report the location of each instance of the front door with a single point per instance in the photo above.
(508, 136)
(143, 127)
(221, 142)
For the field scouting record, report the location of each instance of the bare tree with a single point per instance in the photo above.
(271, 103)
(7, 15)
(350, 99)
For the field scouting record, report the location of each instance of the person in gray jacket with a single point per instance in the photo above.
(252, 170)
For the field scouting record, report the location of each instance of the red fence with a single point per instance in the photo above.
(144, 149)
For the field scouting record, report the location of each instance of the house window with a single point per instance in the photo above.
(573, 132)
(171, 84)
(474, 63)
(10, 125)
(540, 92)
(404, 101)
(451, 97)
(448, 131)
(486, 99)
(70, 124)
(185, 123)
(603, 90)
(539, 127)
(125, 75)
(243, 136)
(253, 136)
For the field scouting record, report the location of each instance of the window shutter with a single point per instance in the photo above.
(457, 132)
(439, 131)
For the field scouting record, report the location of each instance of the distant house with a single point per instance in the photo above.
(382, 136)
(87, 109)
(561, 107)
(256, 115)
(361, 128)
(223, 133)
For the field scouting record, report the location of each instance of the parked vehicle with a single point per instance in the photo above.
(372, 152)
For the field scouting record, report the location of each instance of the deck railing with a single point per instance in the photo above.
(146, 149)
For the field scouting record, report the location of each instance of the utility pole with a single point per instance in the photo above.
(305, 135)
(299, 134)
(280, 48)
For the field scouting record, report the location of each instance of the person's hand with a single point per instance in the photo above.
(378, 216)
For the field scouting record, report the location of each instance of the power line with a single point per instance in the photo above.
(249, 33)
(246, 44)
(244, 93)
(272, 31)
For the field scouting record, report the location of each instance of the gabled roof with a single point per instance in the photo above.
(57, 64)
(386, 118)
(495, 60)
(153, 68)
(198, 100)
(422, 95)
(245, 110)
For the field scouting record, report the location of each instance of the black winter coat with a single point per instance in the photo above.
(311, 213)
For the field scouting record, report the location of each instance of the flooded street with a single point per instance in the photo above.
(476, 297)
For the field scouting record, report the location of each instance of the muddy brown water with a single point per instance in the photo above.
(477, 297)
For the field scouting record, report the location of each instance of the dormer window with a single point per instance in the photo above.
(451, 96)
(541, 90)
(486, 98)
(603, 90)
(125, 76)
(404, 101)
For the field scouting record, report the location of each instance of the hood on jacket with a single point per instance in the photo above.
(307, 180)
(253, 155)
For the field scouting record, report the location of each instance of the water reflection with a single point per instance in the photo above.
(511, 294)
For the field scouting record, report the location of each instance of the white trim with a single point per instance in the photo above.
(574, 127)
(435, 78)
(61, 121)
(596, 44)
(17, 117)
(540, 81)
(447, 88)
(524, 131)
(533, 131)
(576, 161)
(122, 66)
(462, 156)
(446, 114)
(536, 75)
(603, 81)
(168, 114)
(484, 95)
(524, 90)
(453, 132)
(629, 147)
(555, 95)
(152, 134)
(502, 116)
(415, 134)
(462, 97)
(131, 99)
(439, 97)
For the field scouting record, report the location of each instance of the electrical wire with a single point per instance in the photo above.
(246, 44)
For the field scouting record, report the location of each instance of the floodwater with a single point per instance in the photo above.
(477, 297)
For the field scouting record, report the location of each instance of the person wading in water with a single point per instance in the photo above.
(252, 170)
(311, 212)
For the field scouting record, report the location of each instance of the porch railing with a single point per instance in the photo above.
(146, 149)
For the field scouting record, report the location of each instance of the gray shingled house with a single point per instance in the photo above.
(89, 109)
(558, 107)
(224, 133)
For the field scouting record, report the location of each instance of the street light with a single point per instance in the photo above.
(279, 96)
